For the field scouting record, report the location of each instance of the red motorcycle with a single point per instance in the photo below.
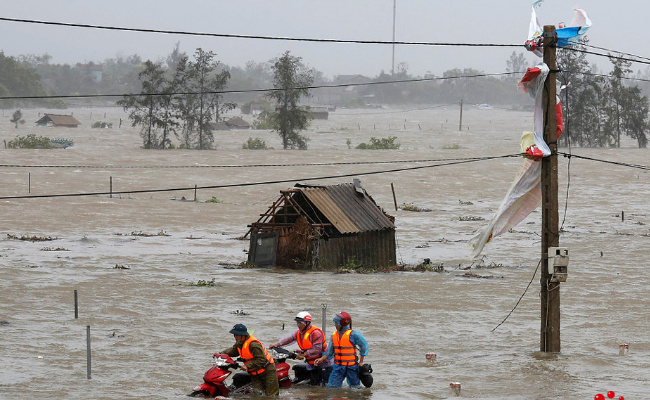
(214, 380)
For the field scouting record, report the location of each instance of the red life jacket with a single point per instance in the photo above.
(304, 341)
(246, 355)
(344, 351)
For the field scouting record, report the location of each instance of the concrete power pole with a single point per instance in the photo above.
(550, 291)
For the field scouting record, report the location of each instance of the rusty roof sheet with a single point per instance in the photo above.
(348, 210)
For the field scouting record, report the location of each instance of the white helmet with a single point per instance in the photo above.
(303, 316)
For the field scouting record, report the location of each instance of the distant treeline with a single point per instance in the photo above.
(599, 109)
(119, 75)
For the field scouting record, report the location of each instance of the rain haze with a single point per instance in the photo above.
(155, 242)
(616, 26)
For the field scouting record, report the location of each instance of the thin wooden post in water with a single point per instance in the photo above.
(392, 187)
(460, 122)
(29, 182)
(550, 291)
(88, 351)
(194, 193)
(76, 305)
(323, 316)
(111, 187)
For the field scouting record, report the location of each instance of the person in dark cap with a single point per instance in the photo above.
(257, 361)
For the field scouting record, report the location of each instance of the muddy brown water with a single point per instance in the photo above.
(132, 257)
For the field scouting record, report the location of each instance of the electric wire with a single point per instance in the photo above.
(616, 51)
(250, 165)
(260, 37)
(83, 96)
(233, 185)
(635, 166)
(520, 297)
(607, 55)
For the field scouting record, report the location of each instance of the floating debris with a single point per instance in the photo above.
(31, 238)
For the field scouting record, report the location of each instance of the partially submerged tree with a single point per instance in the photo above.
(202, 88)
(291, 80)
(17, 118)
(145, 109)
(188, 98)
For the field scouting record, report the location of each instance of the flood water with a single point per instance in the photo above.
(132, 259)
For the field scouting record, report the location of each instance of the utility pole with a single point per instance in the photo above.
(550, 291)
(460, 121)
(392, 71)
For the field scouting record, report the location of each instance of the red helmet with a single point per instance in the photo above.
(343, 318)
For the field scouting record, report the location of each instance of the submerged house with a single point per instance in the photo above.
(237, 123)
(58, 120)
(323, 227)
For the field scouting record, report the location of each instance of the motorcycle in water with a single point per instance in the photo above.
(214, 380)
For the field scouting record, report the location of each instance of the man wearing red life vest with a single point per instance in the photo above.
(311, 341)
(342, 347)
(257, 361)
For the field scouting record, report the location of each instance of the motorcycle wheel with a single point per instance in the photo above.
(199, 393)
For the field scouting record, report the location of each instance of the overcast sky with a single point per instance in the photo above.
(617, 25)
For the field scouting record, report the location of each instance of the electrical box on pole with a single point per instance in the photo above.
(558, 264)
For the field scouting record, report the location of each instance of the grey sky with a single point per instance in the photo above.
(616, 25)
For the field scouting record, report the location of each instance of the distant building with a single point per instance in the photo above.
(319, 112)
(94, 71)
(218, 126)
(238, 123)
(323, 227)
(58, 120)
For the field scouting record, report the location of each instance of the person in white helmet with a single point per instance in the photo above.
(313, 345)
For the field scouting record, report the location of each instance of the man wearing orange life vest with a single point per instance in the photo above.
(343, 347)
(311, 341)
(257, 361)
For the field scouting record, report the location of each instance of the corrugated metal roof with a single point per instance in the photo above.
(66, 120)
(347, 210)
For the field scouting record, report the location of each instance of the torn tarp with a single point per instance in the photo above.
(566, 34)
(524, 196)
(533, 83)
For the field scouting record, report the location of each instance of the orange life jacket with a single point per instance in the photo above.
(246, 355)
(304, 342)
(344, 351)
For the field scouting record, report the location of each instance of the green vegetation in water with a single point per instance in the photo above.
(31, 238)
(414, 208)
(203, 283)
(454, 146)
(143, 234)
(471, 218)
(30, 142)
(427, 266)
(214, 200)
(255, 144)
(380, 144)
(54, 249)
(465, 203)
(102, 124)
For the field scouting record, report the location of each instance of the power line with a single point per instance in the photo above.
(244, 165)
(607, 55)
(257, 183)
(223, 35)
(616, 51)
(622, 164)
(482, 75)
